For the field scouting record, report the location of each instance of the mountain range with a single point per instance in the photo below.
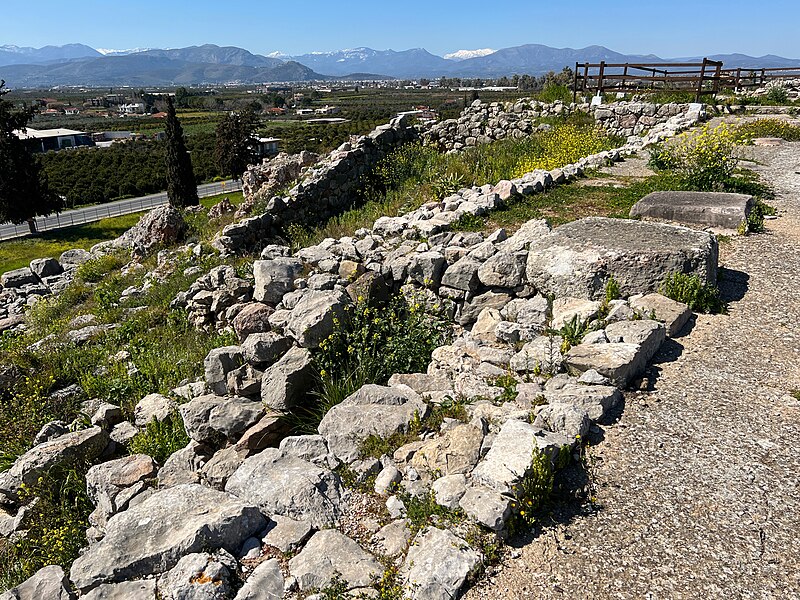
(81, 65)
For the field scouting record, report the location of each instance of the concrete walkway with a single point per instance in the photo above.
(698, 483)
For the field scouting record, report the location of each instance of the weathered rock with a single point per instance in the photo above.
(153, 406)
(253, 318)
(426, 268)
(48, 583)
(620, 362)
(264, 583)
(566, 309)
(569, 419)
(265, 348)
(462, 275)
(486, 507)
(522, 238)
(218, 363)
(471, 309)
(512, 452)
(245, 381)
(75, 257)
(455, 452)
(329, 552)
(393, 539)
(285, 382)
(707, 209)
(674, 314)
(504, 269)
(221, 466)
(106, 481)
(86, 445)
(198, 576)
(437, 565)
(148, 538)
(648, 334)
(312, 319)
(162, 226)
(597, 400)
(372, 410)
(46, 267)
(288, 486)
(448, 490)
(542, 354)
(286, 534)
(385, 481)
(18, 278)
(370, 287)
(274, 278)
(144, 589)
(577, 259)
(267, 433)
(211, 419)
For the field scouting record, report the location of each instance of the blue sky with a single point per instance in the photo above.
(669, 28)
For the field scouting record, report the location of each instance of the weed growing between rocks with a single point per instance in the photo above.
(760, 128)
(690, 290)
(160, 439)
(423, 510)
(564, 144)
(57, 518)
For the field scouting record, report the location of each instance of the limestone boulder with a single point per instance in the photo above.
(619, 362)
(48, 583)
(578, 258)
(372, 410)
(673, 314)
(504, 269)
(329, 552)
(153, 406)
(312, 318)
(648, 334)
(455, 452)
(264, 583)
(198, 576)
(438, 565)
(704, 209)
(275, 278)
(287, 381)
(151, 537)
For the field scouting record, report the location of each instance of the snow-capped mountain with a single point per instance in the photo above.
(112, 52)
(465, 54)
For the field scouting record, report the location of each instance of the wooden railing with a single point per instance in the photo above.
(707, 77)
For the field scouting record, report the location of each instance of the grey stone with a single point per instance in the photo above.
(253, 318)
(286, 534)
(274, 278)
(50, 431)
(153, 406)
(18, 278)
(522, 238)
(123, 433)
(422, 383)
(455, 452)
(218, 363)
(86, 445)
(504, 269)
(387, 479)
(438, 565)
(462, 275)
(107, 415)
(264, 583)
(46, 267)
(267, 433)
(449, 489)
(211, 419)
(592, 377)
(148, 538)
(306, 447)
(198, 576)
(426, 268)
(674, 314)
(473, 308)
(707, 209)
(648, 334)
(312, 319)
(329, 552)
(566, 309)
(527, 311)
(287, 381)
(75, 257)
(144, 589)
(577, 259)
(511, 454)
(245, 381)
(486, 507)
(393, 539)
(372, 410)
(597, 400)
(265, 348)
(288, 486)
(48, 583)
(105, 482)
(620, 362)
(216, 472)
(571, 420)
(543, 353)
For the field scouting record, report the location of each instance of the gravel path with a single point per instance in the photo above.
(698, 482)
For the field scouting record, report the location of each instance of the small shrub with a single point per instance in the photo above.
(96, 269)
(160, 439)
(747, 132)
(534, 490)
(565, 144)
(612, 289)
(571, 333)
(755, 220)
(690, 290)
(509, 384)
(553, 92)
(422, 511)
(336, 589)
(469, 222)
(777, 94)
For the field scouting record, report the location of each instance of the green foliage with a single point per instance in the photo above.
(509, 384)
(612, 289)
(423, 510)
(160, 439)
(777, 94)
(690, 290)
(469, 222)
(553, 92)
(24, 190)
(236, 142)
(181, 185)
(56, 525)
(371, 343)
(336, 589)
(533, 491)
(96, 269)
(755, 220)
(571, 333)
(746, 132)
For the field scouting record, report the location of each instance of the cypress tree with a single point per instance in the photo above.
(181, 185)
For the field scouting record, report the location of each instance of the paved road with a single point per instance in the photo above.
(90, 214)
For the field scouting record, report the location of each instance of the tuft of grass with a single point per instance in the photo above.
(747, 132)
(160, 439)
(422, 511)
(691, 290)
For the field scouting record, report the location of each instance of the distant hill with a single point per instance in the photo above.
(77, 64)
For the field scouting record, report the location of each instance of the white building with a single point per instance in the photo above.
(134, 108)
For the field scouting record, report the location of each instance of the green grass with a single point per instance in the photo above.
(19, 253)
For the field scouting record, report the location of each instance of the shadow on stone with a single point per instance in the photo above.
(733, 284)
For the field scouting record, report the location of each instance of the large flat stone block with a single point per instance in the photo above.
(707, 209)
(578, 258)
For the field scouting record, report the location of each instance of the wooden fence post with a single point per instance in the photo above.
(700, 82)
